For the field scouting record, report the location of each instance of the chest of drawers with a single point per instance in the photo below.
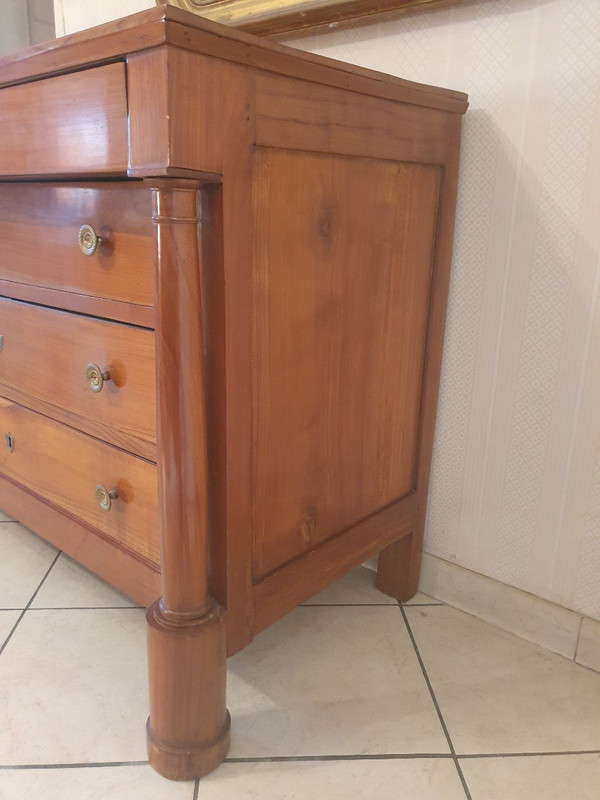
(223, 284)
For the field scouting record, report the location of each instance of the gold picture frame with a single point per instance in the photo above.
(268, 17)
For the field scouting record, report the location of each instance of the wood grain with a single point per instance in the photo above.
(44, 360)
(306, 575)
(83, 118)
(294, 115)
(342, 285)
(64, 467)
(39, 225)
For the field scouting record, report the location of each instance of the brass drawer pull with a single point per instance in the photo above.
(89, 241)
(95, 377)
(104, 497)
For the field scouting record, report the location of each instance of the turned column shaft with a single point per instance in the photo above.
(188, 728)
(181, 408)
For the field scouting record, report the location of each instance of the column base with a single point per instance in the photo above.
(188, 731)
(182, 765)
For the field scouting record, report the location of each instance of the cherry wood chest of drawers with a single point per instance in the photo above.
(223, 283)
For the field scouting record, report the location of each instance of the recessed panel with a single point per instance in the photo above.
(342, 278)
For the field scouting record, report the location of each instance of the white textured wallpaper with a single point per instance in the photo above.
(515, 490)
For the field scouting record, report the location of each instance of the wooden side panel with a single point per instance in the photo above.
(343, 259)
(303, 116)
(64, 125)
(44, 359)
(64, 467)
(39, 226)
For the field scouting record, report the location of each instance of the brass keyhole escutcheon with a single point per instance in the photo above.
(10, 441)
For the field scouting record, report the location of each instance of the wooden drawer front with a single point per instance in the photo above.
(64, 467)
(39, 227)
(43, 363)
(66, 125)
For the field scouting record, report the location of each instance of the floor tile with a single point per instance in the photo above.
(421, 599)
(501, 694)
(5, 518)
(7, 620)
(511, 609)
(332, 680)
(92, 783)
(73, 688)
(569, 777)
(70, 585)
(24, 560)
(417, 779)
(357, 586)
(588, 647)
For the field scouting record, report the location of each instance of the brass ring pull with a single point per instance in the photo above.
(89, 241)
(104, 497)
(95, 377)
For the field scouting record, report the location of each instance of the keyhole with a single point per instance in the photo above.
(10, 442)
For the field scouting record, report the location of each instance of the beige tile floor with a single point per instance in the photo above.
(349, 696)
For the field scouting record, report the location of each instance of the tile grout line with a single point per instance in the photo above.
(435, 703)
(350, 757)
(75, 765)
(79, 608)
(31, 599)
(531, 754)
(339, 757)
(577, 641)
(365, 605)
(196, 789)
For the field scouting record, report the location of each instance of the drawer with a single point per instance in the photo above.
(44, 359)
(65, 125)
(39, 231)
(64, 467)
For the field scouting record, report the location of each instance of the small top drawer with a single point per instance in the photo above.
(65, 125)
(39, 231)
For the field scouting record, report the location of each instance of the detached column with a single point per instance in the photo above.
(188, 728)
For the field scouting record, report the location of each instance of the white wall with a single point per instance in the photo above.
(24, 22)
(75, 15)
(515, 491)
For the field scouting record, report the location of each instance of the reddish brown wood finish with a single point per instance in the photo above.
(341, 299)
(43, 365)
(124, 569)
(287, 587)
(80, 118)
(64, 467)
(84, 304)
(393, 560)
(299, 324)
(188, 729)
(39, 227)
